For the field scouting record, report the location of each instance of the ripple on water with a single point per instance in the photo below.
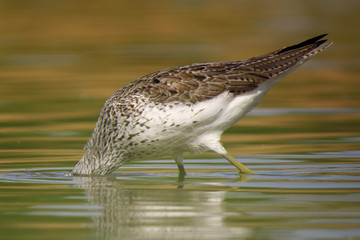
(327, 170)
(302, 196)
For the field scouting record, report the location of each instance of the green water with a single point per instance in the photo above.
(60, 61)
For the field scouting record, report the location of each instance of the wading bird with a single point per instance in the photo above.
(185, 109)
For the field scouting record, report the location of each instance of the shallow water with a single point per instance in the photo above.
(289, 197)
(60, 61)
(309, 195)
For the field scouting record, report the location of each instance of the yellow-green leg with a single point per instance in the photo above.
(237, 164)
(179, 161)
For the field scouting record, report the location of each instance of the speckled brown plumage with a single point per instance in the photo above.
(185, 109)
(202, 81)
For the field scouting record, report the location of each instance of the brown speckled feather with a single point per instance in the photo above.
(185, 109)
(202, 81)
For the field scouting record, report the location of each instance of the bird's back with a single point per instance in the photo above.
(202, 81)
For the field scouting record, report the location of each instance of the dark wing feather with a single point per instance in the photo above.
(202, 81)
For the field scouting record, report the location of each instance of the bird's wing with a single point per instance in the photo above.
(202, 81)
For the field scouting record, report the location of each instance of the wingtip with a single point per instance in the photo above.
(318, 39)
(314, 39)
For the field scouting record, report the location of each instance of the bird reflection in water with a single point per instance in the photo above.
(134, 209)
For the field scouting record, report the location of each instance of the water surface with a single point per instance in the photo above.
(303, 200)
(309, 195)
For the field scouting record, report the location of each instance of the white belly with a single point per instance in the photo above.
(177, 128)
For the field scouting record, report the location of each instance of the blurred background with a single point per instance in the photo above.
(60, 60)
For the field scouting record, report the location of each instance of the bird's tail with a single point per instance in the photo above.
(280, 61)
